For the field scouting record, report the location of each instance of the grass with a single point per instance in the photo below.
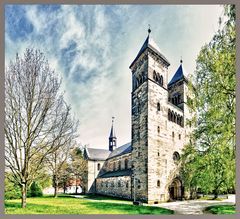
(70, 205)
(210, 198)
(221, 209)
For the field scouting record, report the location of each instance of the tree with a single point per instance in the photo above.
(78, 166)
(213, 162)
(37, 121)
(57, 162)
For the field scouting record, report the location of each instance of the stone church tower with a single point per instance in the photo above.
(159, 114)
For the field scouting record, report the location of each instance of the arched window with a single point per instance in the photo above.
(126, 163)
(179, 97)
(175, 100)
(158, 78)
(161, 80)
(158, 183)
(175, 117)
(176, 156)
(169, 114)
(154, 75)
(158, 129)
(119, 164)
(98, 166)
(114, 166)
(172, 116)
(178, 119)
(172, 134)
(158, 106)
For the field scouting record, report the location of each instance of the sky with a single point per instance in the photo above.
(91, 47)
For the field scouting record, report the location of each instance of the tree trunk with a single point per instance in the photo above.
(56, 189)
(24, 195)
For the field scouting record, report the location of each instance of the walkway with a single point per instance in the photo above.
(195, 206)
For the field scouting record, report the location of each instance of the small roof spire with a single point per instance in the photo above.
(112, 132)
(149, 29)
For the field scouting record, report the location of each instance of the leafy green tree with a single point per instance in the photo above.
(212, 165)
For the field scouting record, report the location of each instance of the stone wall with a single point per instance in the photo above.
(115, 186)
(93, 172)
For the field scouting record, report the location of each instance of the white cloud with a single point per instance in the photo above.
(107, 39)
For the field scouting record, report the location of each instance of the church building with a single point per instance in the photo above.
(147, 168)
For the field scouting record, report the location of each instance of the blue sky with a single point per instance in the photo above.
(92, 46)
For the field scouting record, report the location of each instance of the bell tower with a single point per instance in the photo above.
(112, 138)
(149, 115)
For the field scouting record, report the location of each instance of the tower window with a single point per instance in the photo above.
(172, 134)
(179, 136)
(98, 166)
(139, 184)
(158, 183)
(158, 154)
(161, 80)
(158, 129)
(158, 106)
(154, 76)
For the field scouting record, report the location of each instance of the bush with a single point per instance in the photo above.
(12, 191)
(35, 190)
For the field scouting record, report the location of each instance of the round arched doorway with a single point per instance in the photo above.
(175, 190)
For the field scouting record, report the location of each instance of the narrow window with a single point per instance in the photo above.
(172, 134)
(158, 154)
(119, 183)
(98, 166)
(158, 183)
(119, 164)
(158, 129)
(126, 163)
(127, 184)
(161, 80)
(158, 106)
(179, 136)
(114, 166)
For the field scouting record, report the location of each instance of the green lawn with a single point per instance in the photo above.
(221, 209)
(70, 205)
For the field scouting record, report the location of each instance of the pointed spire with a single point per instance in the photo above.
(179, 74)
(181, 60)
(149, 29)
(112, 137)
(112, 132)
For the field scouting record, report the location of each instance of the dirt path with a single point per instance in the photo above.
(195, 206)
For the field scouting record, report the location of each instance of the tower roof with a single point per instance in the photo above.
(150, 43)
(112, 132)
(180, 74)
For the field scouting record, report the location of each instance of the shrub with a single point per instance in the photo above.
(35, 190)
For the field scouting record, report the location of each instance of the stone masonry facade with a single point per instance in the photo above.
(147, 168)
